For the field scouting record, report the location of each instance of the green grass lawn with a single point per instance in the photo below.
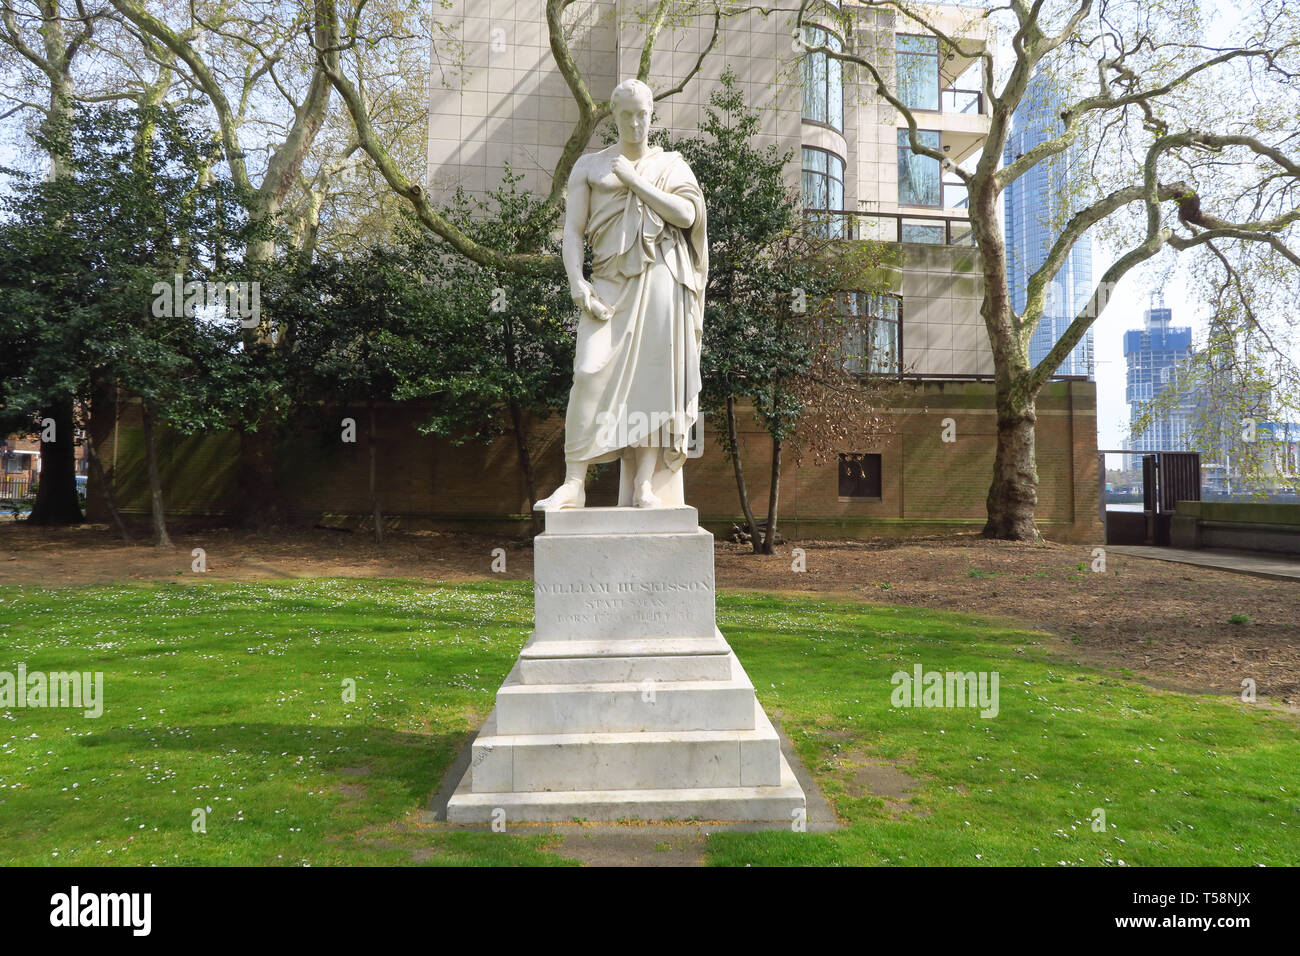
(230, 698)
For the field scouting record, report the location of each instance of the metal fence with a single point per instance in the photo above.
(890, 227)
(13, 487)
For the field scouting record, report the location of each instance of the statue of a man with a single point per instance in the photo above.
(636, 373)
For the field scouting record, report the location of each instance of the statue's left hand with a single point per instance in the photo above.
(625, 171)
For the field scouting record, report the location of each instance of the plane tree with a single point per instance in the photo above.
(1185, 113)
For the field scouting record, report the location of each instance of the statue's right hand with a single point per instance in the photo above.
(584, 296)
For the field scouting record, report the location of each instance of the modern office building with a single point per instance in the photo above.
(497, 100)
(1037, 204)
(500, 99)
(1154, 355)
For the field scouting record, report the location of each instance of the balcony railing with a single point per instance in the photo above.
(961, 101)
(890, 227)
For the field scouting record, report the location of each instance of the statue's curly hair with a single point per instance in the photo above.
(631, 88)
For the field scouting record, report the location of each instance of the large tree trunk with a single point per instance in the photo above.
(374, 494)
(773, 498)
(1014, 492)
(751, 526)
(160, 537)
(56, 497)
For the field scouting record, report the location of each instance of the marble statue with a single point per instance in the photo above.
(627, 703)
(636, 374)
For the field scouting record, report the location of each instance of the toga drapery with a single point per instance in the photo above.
(640, 369)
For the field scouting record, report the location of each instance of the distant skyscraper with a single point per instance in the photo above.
(1153, 355)
(1036, 207)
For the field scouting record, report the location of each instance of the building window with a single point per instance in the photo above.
(823, 188)
(859, 476)
(823, 80)
(918, 71)
(874, 341)
(919, 180)
(929, 234)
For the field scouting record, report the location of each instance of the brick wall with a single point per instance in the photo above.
(926, 484)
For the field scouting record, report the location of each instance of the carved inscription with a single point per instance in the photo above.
(622, 587)
(613, 601)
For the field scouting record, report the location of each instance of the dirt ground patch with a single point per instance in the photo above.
(879, 778)
(1168, 624)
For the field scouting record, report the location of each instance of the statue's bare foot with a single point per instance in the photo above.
(571, 494)
(644, 497)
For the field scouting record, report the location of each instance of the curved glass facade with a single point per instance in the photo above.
(823, 80)
(823, 189)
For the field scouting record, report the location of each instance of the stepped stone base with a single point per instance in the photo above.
(627, 703)
(518, 763)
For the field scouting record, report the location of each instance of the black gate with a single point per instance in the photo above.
(1180, 478)
(1168, 477)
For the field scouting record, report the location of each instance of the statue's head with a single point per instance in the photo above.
(632, 104)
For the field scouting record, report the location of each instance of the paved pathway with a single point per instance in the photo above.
(1259, 564)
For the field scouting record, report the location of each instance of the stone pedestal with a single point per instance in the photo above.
(626, 703)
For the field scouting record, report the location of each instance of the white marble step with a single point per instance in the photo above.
(582, 662)
(783, 803)
(605, 670)
(626, 761)
(625, 647)
(622, 520)
(617, 707)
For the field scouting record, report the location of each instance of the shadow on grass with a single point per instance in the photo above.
(408, 765)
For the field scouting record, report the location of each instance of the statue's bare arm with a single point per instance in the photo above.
(576, 211)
